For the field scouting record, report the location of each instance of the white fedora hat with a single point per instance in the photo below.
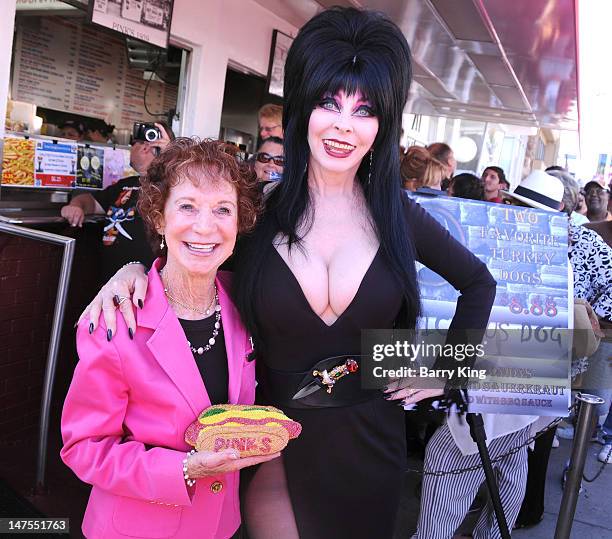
(539, 190)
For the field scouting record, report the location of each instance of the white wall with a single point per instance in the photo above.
(218, 31)
(7, 23)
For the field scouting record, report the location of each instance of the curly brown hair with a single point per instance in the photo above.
(191, 158)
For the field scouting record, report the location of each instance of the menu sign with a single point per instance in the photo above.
(116, 165)
(146, 20)
(55, 164)
(90, 172)
(61, 65)
(527, 343)
(18, 162)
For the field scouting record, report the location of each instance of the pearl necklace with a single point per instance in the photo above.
(217, 308)
(211, 342)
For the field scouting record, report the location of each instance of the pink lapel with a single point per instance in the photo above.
(168, 344)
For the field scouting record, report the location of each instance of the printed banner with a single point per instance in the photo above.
(116, 165)
(146, 20)
(527, 345)
(18, 162)
(55, 164)
(90, 171)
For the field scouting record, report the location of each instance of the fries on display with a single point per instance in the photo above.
(18, 162)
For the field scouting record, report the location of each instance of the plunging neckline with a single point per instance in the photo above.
(305, 299)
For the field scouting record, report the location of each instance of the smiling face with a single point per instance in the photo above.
(263, 170)
(596, 199)
(200, 224)
(341, 130)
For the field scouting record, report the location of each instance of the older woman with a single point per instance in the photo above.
(132, 397)
(335, 254)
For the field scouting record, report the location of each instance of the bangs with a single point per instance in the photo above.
(362, 79)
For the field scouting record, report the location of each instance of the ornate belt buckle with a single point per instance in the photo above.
(329, 379)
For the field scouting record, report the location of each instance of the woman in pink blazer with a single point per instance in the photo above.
(132, 396)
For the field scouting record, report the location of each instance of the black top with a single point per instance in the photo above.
(354, 455)
(124, 238)
(213, 363)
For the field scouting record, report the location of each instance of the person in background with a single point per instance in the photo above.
(270, 119)
(131, 399)
(597, 196)
(72, 130)
(98, 131)
(582, 207)
(466, 185)
(421, 172)
(269, 159)
(493, 179)
(124, 236)
(444, 153)
(567, 179)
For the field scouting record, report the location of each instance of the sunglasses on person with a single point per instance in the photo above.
(596, 190)
(264, 157)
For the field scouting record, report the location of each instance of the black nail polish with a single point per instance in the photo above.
(385, 388)
(116, 301)
(140, 303)
(109, 335)
(91, 328)
(387, 397)
(131, 333)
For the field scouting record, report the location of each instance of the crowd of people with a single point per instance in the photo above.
(323, 242)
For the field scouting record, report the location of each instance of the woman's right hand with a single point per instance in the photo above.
(205, 463)
(129, 282)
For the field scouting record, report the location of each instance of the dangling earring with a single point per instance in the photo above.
(162, 244)
(370, 173)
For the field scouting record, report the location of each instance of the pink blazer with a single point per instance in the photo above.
(125, 416)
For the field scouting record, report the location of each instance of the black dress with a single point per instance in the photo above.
(345, 471)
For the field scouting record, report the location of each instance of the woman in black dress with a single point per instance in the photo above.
(335, 254)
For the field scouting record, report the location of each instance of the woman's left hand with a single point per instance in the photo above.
(402, 389)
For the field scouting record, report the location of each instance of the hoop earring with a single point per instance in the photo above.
(162, 244)
(370, 172)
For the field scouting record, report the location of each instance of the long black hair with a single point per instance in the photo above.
(351, 50)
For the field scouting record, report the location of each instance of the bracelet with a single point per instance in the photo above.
(190, 482)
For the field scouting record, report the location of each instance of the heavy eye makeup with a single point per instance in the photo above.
(329, 103)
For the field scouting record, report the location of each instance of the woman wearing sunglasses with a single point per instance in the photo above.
(269, 159)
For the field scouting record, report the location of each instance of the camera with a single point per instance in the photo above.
(146, 132)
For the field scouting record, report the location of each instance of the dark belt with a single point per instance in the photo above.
(279, 387)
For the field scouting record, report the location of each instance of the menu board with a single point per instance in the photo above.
(18, 162)
(62, 65)
(90, 171)
(55, 163)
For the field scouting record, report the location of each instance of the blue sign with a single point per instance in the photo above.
(528, 345)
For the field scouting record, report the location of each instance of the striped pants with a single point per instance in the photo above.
(446, 500)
